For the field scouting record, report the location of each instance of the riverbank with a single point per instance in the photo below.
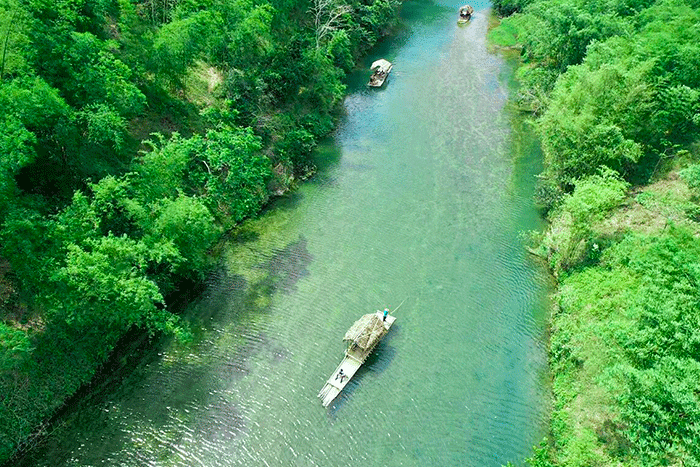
(617, 114)
(105, 222)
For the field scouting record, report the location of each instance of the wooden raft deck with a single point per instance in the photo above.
(354, 358)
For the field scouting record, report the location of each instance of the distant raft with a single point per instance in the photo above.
(361, 339)
(465, 14)
(380, 71)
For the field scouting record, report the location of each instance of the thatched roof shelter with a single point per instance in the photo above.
(366, 331)
(466, 10)
(381, 65)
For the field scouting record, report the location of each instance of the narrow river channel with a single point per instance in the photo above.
(421, 197)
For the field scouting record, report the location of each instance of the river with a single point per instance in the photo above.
(420, 198)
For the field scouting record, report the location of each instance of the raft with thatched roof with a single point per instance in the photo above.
(361, 339)
(465, 14)
(380, 70)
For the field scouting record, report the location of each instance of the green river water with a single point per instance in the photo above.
(421, 196)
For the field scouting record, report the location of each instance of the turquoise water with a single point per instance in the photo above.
(420, 198)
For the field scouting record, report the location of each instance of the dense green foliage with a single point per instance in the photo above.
(625, 347)
(508, 7)
(616, 89)
(572, 239)
(616, 84)
(133, 134)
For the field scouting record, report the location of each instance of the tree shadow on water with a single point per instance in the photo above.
(286, 202)
(286, 266)
(228, 293)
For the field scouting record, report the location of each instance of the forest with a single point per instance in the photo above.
(135, 134)
(613, 88)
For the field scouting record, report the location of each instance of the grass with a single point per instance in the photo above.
(203, 85)
(502, 34)
(651, 208)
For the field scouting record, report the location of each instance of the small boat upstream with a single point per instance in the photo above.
(361, 338)
(465, 14)
(380, 71)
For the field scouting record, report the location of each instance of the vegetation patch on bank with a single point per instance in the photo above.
(614, 90)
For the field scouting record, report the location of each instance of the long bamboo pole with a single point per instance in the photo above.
(397, 308)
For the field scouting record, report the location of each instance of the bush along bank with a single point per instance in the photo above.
(134, 134)
(614, 89)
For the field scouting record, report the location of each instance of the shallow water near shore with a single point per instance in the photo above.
(420, 198)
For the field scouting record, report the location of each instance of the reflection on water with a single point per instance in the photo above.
(421, 196)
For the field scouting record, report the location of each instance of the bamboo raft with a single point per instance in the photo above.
(362, 338)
